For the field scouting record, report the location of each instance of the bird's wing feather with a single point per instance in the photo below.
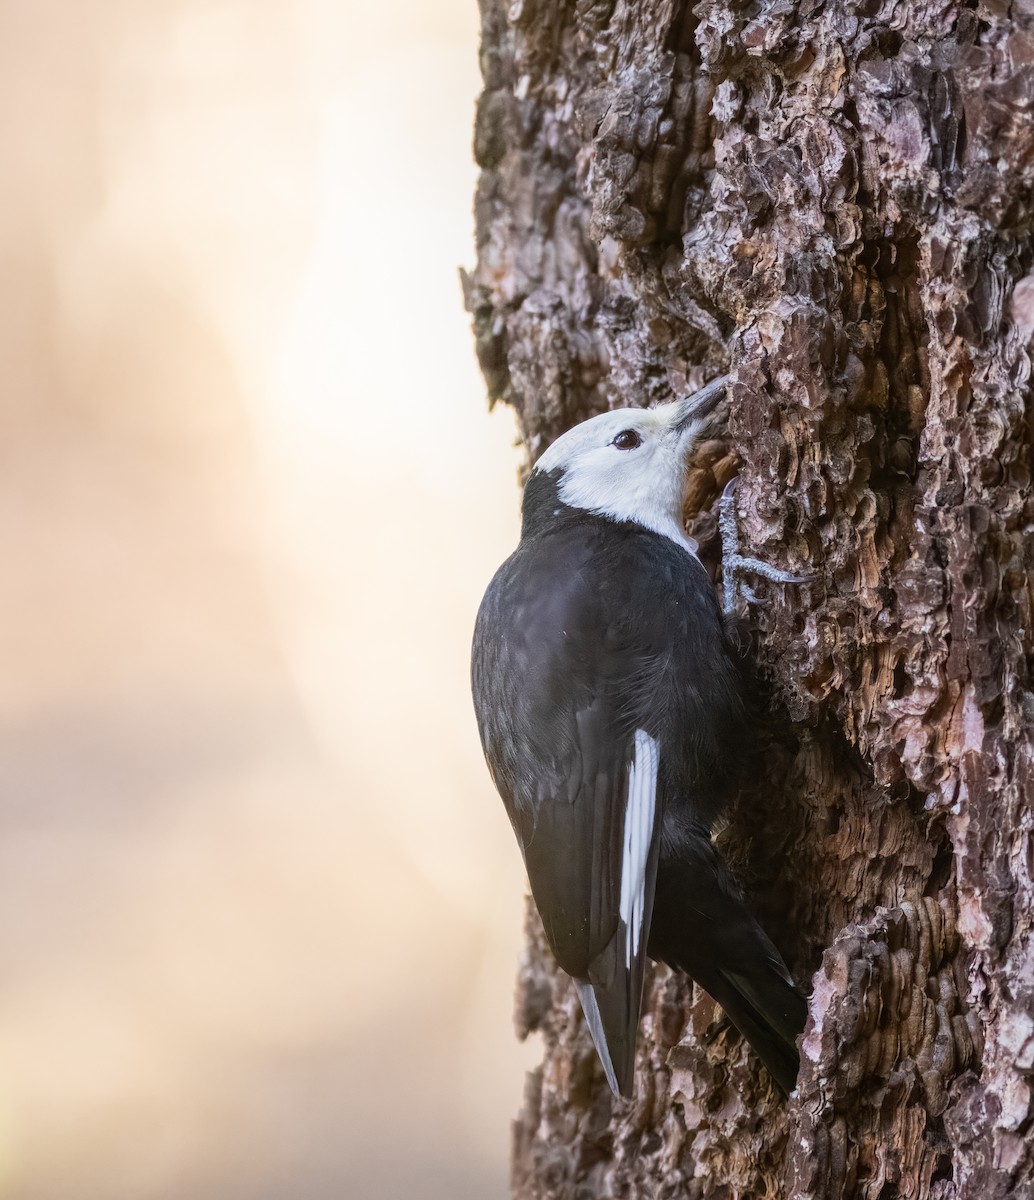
(579, 774)
(592, 864)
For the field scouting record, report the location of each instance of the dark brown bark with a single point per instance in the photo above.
(834, 200)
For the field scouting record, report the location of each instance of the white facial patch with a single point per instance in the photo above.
(638, 834)
(644, 484)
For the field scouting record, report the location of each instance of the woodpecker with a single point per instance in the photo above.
(611, 707)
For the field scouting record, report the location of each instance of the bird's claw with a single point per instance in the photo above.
(734, 563)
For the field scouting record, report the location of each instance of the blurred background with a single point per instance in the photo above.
(259, 905)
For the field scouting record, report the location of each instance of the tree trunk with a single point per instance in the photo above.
(833, 200)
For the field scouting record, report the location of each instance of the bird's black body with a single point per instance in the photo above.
(600, 644)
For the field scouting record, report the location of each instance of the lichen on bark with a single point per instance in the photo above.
(834, 201)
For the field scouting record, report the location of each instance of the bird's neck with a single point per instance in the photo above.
(543, 511)
(542, 508)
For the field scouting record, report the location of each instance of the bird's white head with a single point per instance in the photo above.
(630, 464)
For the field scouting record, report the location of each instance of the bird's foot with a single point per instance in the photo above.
(734, 563)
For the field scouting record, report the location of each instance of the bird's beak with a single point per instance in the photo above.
(700, 405)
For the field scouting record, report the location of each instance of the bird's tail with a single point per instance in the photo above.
(768, 1010)
(702, 927)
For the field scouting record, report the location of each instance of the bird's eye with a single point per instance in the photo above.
(627, 439)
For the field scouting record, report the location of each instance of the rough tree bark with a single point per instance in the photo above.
(833, 199)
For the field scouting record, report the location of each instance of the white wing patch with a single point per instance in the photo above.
(639, 819)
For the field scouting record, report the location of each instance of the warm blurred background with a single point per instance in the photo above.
(259, 907)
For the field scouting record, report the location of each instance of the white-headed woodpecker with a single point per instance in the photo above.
(610, 704)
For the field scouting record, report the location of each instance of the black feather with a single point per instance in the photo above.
(701, 926)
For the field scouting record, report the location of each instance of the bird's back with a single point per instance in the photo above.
(591, 610)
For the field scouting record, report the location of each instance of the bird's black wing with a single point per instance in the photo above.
(569, 653)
